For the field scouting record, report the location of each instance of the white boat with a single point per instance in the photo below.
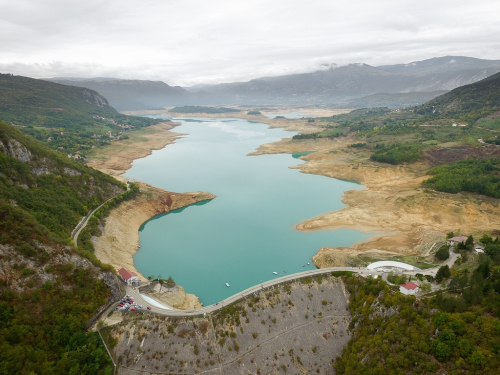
(275, 273)
(227, 285)
(307, 263)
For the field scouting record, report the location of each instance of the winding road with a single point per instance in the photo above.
(85, 220)
(268, 284)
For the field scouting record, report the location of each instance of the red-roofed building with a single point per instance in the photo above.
(409, 288)
(128, 276)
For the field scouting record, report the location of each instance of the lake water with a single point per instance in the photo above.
(247, 232)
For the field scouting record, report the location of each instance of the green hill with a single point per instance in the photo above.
(48, 291)
(68, 118)
(467, 103)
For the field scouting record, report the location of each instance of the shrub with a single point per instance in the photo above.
(443, 253)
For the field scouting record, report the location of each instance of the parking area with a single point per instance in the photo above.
(127, 303)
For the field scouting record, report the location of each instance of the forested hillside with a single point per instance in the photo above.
(456, 331)
(468, 103)
(48, 291)
(67, 118)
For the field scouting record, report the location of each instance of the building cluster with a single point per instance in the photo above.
(123, 126)
(75, 156)
(453, 241)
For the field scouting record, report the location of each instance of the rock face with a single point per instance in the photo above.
(174, 296)
(15, 149)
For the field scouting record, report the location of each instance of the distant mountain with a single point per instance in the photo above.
(335, 84)
(440, 65)
(332, 84)
(130, 95)
(470, 101)
(64, 117)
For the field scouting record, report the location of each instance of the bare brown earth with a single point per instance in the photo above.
(117, 158)
(408, 218)
(120, 235)
(394, 203)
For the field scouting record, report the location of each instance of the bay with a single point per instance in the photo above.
(248, 231)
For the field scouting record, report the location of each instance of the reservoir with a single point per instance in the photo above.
(248, 231)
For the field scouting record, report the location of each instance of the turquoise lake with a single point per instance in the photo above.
(247, 232)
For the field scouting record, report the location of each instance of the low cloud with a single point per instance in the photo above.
(188, 42)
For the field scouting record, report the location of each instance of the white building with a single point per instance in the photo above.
(128, 276)
(391, 265)
(409, 288)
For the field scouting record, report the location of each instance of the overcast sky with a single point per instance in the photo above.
(185, 42)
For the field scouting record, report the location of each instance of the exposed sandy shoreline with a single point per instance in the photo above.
(117, 158)
(392, 203)
(119, 240)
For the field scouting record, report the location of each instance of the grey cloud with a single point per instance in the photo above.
(189, 41)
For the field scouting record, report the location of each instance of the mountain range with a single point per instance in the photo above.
(131, 95)
(335, 84)
(331, 85)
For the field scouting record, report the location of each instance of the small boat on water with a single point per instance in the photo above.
(227, 285)
(275, 273)
(307, 263)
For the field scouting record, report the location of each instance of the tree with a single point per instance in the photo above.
(443, 273)
(170, 282)
(450, 235)
(443, 253)
(160, 281)
(442, 352)
(485, 239)
(492, 250)
(469, 241)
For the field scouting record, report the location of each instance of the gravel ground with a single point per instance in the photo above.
(293, 328)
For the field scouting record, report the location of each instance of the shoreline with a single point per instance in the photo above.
(119, 239)
(117, 158)
(408, 219)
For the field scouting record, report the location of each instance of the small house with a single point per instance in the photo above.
(478, 248)
(409, 288)
(455, 240)
(128, 276)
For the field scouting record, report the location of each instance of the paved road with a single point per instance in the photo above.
(433, 271)
(240, 295)
(83, 223)
(211, 308)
